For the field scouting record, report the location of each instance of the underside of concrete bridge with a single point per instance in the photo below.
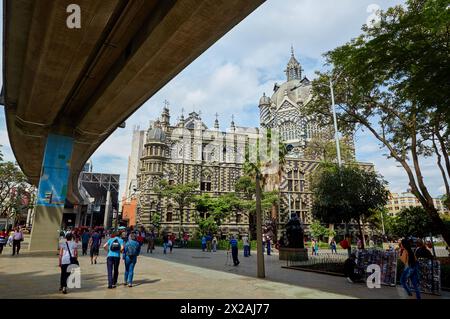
(84, 82)
(67, 87)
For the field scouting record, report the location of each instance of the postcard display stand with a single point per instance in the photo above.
(387, 260)
(429, 270)
(430, 276)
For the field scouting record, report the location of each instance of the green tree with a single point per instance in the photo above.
(214, 210)
(325, 150)
(413, 221)
(343, 194)
(181, 194)
(382, 222)
(394, 81)
(13, 188)
(318, 230)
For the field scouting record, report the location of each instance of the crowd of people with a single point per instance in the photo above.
(13, 238)
(125, 244)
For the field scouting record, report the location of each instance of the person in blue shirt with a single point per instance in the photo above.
(203, 243)
(114, 246)
(131, 251)
(234, 250)
(85, 241)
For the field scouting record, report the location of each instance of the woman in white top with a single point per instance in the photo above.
(67, 250)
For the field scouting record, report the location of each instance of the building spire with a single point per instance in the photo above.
(293, 70)
(181, 120)
(216, 122)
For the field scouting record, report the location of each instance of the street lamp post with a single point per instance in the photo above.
(336, 133)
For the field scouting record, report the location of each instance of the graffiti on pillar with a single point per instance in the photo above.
(55, 171)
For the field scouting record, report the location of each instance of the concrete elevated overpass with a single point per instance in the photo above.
(82, 83)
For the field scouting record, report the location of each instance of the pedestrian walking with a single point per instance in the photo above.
(316, 247)
(68, 255)
(3, 239)
(172, 239)
(165, 243)
(208, 242)
(185, 240)
(17, 238)
(114, 246)
(233, 245)
(85, 242)
(214, 244)
(94, 242)
(313, 247)
(151, 242)
(411, 270)
(268, 245)
(246, 245)
(333, 246)
(131, 252)
(203, 243)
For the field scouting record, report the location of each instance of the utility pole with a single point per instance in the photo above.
(336, 137)
(336, 133)
(259, 249)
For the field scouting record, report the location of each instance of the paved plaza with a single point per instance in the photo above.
(186, 273)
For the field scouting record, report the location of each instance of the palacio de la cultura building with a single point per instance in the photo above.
(189, 151)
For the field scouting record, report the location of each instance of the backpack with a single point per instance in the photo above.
(131, 249)
(115, 245)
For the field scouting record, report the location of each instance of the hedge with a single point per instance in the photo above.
(197, 244)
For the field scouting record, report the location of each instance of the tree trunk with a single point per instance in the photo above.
(361, 234)
(259, 248)
(181, 223)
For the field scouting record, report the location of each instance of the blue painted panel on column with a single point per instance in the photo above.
(55, 171)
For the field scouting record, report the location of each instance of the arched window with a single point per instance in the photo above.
(206, 184)
(169, 214)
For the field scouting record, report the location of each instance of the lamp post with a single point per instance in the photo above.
(336, 133)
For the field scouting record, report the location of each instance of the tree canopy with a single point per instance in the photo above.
(343, 194)
(413, 221)
(16, 194)
(394, 81)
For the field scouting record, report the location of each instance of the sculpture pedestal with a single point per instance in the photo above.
(293, 254)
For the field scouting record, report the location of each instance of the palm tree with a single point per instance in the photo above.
(256, 170)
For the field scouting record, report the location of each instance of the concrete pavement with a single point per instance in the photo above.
(186, 273)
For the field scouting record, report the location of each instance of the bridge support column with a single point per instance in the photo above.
(52, 193)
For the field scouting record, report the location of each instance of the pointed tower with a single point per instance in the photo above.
(293, 70)
(216, 122)
(165, 117)
(264, 109)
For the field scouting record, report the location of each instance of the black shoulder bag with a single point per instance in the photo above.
(73, 260)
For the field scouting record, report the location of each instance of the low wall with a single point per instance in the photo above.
(293, 254)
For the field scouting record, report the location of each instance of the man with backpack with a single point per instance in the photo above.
(114, 246)
(131, 251)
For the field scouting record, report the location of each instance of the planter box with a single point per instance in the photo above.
(293, 254)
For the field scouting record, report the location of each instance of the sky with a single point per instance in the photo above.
(231, 76)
